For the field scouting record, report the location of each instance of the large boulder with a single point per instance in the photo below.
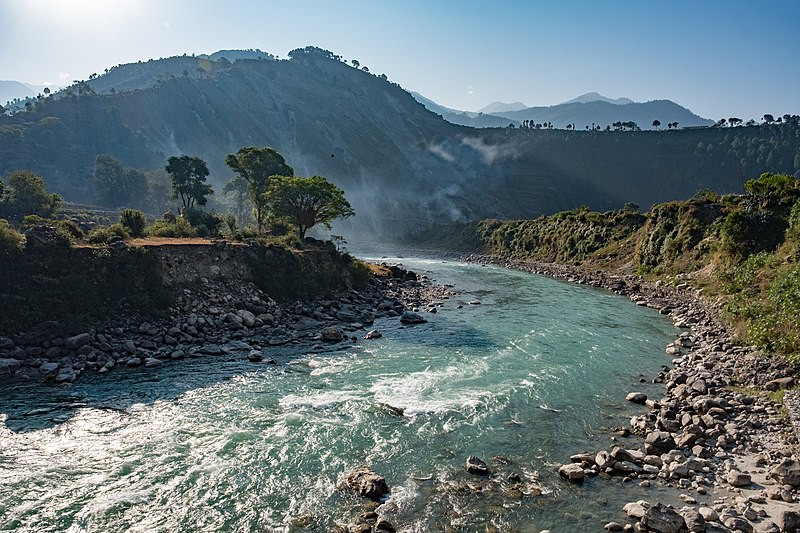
(332, 334)
(410, 317)
(658, 442)
(662, 519)
(787, 472)
(572, 472)
(365, 482)
(788, 520)
(476, 466)
(8, 367)
(248, 318)
(73, 343)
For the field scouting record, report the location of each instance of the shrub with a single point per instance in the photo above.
(198, 217)
(133, 221)
(164, 228)
(68, 230)
(11, 241)
(202, 230)
(103, 235)
(794, 220)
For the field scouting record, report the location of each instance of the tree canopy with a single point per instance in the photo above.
(189, 180)
(116, 184)
(23, 194)
(306, 202)
(257, 166)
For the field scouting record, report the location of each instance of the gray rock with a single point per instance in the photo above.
(151, 362)
(694, 520)
(780, 383)
(130, 346)
(133, 361)
(365, 482)
(636, 397)
(211, 349)
(738, 479)
(6, 343)
(787, 472)
(346, 316)
(248, 318)
(708, 514)
(738, 523)
(788, 520)
(658, 442)
(410, 317)
(374, 334)
(662, 519)
(49, 370)
(636, 509)
(572, 472)
(613, 526)
(73, 343)
(477, 466)
(66, 375)
(255, 356)
(8, 367)
(332, 334)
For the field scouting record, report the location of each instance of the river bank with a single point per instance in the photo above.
(721, 434)
(213, 316)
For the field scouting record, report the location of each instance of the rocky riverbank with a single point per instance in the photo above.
(722, 434)
(213, 317)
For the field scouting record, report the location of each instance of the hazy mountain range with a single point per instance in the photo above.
(590, 109)
(401, 165)
(9, 90)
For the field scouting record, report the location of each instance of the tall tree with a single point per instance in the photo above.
(116, 184)
(236, 189)
(189, 180)
(257, 166)
(656, 123)
(306, 202)
(24, 194)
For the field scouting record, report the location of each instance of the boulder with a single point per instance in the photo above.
(6, 343)
(788, 520)
(332, 334)
(658, 442)
(636, 397)
(780, 383)
(73, 343)
(8, 367)
(255, 356)
(572, 472)
(374, 334)
(694, 520)
(49, 370)
(410, 317)
(476, 466)
(66, 375)
(152, 362)
(662, 519)
(738, 479)
(365, 482)
(738, 523)
(613, 526)
(636, 509)
(787, 472)
(248, 318)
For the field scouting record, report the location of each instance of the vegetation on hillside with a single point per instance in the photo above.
(744, 248)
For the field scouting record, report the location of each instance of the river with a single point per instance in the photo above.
(537, 371)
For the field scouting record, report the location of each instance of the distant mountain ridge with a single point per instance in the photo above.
(597, 97)
(10, 89)
(496, 107)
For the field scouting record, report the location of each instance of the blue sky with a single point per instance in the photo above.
(720, 58)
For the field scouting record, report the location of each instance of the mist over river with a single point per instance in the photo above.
(537, 371)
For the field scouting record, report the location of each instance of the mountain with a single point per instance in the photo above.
(9, 90)
(596, 97)
(463, 118)
(235, 55)
(401, 165)
(600, 113)
(496, 107)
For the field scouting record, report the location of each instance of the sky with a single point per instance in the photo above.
(719, 58)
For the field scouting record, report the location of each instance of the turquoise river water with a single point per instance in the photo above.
(535, 373)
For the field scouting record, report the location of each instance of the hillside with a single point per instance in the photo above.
(401, 165)
(605, 113)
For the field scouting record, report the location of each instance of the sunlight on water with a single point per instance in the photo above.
(537, 371)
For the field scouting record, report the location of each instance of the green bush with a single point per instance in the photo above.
(794, 220)
(68, 230)
(133, 221)
(104, 234)
(202, 230)
(164, 228)
(198, 217)
(11, 241)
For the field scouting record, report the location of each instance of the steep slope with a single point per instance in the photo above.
(401, 165)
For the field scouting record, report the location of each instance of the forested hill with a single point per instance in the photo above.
(400, 165)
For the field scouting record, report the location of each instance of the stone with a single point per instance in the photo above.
(374, 334)
(6, 343)
(788, 520)
(152, 362)
(604, 460)
(694, 520)
(49, 370)
(738, 523)
(662, 519)
(332, 334)
(211, 349)
(613, 526)
(133, 361)
(780, 383)
(73, 343)
(708, 514)
(658, 442)
(476, 466)
(248, 318)
(365, 482)
(738, 479)
(636, 397)
(255, 356)
(636, 509)
(787, 472)
(8, 367)
(66, 375)
(572, 472)
(410, 317)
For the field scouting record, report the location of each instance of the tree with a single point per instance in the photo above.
(656, 123)
(306, 202)
(23, 194)
(189, 180)
(257, 166)
(236, 189)
(116, 184)
(159, 190)
(769, 118)
(355, 63)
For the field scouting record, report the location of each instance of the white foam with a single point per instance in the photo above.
(318, 400)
